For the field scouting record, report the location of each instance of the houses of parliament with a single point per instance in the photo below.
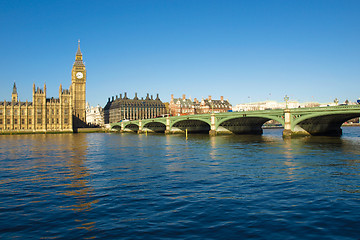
(64, 114)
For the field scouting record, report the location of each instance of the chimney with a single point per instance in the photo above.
(152, 97)
(222, 98)
(209, 97)
(116, 96)
(108, 99)
(125, 97)
(183, 97)
(112, 98)
(172, 96)
(120, 96)
(195, 100)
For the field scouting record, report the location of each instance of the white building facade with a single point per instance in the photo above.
(94, 115)
(267, 105)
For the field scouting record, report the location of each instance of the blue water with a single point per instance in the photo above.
(128, 186)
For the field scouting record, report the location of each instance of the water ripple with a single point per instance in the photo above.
(126, 186)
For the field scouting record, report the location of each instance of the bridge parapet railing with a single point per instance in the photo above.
(329, 108)
(254, 112)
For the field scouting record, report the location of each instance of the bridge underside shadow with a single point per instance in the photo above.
(244, 125)
(131, 128)
(154, 127)
(329, 125)
(117, 128)
(192, 126)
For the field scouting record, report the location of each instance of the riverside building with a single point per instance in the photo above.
(63, 114)
(185, 106)
(267, 105)
(123, 108)
(94, 115)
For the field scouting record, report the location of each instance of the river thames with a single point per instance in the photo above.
(128, 186)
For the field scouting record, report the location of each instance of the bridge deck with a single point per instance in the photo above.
(308, 121)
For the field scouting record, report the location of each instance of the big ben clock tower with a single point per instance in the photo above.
(78, 90)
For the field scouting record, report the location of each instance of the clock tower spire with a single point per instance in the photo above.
(78, 90)
(78, 53)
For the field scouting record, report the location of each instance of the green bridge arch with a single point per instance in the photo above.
(324, 121)
(191, 119)
(301, 121)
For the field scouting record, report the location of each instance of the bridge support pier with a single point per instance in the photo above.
(288, 131)
(140, 131)
(287, 127)
(212, 131)
(311, 127)
(122, 127)
(322, 121)
(167, 130)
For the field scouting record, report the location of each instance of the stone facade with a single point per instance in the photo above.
(123, 108)
(47, 114)
(94, 115)
(78, 90)
(267, 105)
(184, 106)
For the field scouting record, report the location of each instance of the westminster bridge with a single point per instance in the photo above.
(324, 121)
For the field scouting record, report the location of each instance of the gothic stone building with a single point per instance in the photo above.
(63, 114)
(124, 108)
(184, 106)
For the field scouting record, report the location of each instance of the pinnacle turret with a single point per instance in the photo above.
(14, 95)
(78, 58)
(78, 51)
(14, 89)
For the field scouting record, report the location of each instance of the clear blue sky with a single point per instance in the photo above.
(244, 50)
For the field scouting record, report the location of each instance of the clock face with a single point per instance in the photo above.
(79, 75)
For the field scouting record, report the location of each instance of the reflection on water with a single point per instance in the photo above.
(37, 168)
(129, 186)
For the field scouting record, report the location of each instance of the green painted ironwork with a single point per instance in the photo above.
(302, 114)
(297, 115)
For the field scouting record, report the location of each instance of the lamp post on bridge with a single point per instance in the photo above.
(286, 98)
